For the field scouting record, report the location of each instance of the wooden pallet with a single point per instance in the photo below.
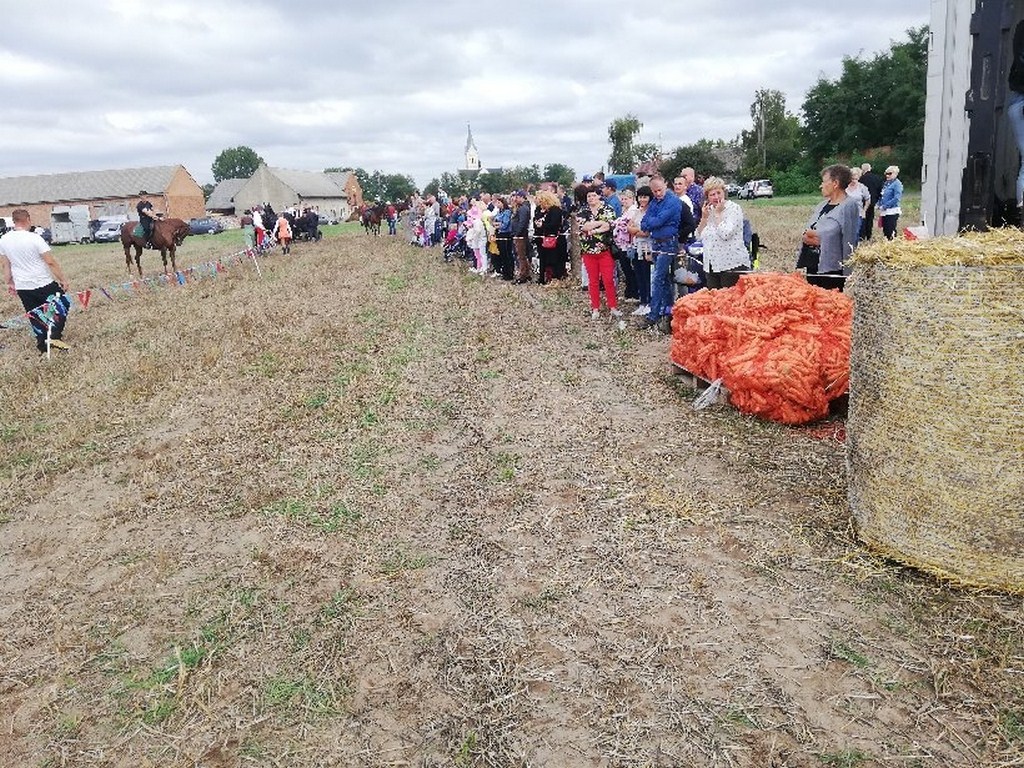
(695, 382)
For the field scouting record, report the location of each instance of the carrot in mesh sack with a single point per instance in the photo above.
(781, 345)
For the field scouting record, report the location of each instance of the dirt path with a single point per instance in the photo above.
(371, 510)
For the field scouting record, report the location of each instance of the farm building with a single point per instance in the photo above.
(222, 199)
(170, 188)
(334, 194)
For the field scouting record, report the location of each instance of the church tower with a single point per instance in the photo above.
(472, 157)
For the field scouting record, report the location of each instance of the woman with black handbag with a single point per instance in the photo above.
(547, 228)
(832, 232)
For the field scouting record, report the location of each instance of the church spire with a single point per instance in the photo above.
(472, 156)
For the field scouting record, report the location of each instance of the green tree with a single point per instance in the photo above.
(235, 163)
(876, 103)
(454, 184)
(562, 174)
(774, 142)
(645, 152)
(700, 156)
(520, 176)
(621, 133)
(397, 186)
(208, 190)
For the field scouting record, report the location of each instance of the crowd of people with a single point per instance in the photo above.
(650, 242)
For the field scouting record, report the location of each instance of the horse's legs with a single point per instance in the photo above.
(128, 259)
(138, 259)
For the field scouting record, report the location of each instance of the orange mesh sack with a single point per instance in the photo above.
(780, 345)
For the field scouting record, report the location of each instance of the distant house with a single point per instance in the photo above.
(283, 188)
(170, 188)
(222, 199)
(350, 184)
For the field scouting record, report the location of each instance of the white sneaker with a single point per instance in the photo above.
(643, 309)
(595, 314)
(615, 312)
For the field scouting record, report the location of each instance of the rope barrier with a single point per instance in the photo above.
(55, 304)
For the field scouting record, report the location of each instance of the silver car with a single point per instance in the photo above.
(108, 232)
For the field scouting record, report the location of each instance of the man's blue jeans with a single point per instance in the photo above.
(1015, 111)
(661, 279)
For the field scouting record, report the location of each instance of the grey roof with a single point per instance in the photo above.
(339, 177)
(223, 196)
(86, 185)
(309, 183)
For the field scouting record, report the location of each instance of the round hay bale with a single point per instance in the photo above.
(935, 448)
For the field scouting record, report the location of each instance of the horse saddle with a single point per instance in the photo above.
(139, 231)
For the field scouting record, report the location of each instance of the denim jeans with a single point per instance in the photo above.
(1015, 111)
(661, 279)
(642, 272)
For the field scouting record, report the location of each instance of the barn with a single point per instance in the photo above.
(170, 188)
(282, 188)
(222, 199)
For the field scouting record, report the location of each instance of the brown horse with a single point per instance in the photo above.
(371, 218)
(168, 234)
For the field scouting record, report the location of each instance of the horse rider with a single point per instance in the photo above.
(147, 218)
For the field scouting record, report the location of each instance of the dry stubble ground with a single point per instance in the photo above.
(370, 510)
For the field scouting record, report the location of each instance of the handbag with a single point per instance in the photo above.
(549, 241)
(809, 257)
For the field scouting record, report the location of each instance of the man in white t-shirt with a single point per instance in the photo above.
(32, 272)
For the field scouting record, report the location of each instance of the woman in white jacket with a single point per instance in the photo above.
(721, 232)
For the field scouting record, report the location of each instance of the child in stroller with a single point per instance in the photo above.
(455, 242)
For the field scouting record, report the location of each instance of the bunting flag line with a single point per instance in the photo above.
(61, 304)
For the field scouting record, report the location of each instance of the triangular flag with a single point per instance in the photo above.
(83, 298)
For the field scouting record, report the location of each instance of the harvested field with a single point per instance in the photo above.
(370, 510)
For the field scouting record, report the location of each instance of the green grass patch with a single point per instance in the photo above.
(506, 465)
(837, 649)
(317, 400)
(341, 604)
(1011, 723)
(846, 758)
(330, 520)
(399, 560)
(301, 695)
(267, 366)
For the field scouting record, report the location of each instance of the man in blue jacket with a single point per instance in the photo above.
(661, 224)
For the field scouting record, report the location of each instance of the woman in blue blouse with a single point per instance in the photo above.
(889, 202)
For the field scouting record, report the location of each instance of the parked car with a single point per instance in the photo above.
(205, 226)
(733, 189)
(43, 232)
(108, 232)
(757, 188)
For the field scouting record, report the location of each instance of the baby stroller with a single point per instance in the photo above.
(455, 243)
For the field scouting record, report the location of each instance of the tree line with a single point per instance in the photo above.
(873, 111)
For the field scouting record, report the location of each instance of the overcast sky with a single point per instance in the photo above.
(391, 85)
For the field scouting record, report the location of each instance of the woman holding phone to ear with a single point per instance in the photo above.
(721, 232)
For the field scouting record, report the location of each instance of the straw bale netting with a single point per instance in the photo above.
(935, 448)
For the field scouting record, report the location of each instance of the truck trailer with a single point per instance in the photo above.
(70, 224)
(971, 159)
